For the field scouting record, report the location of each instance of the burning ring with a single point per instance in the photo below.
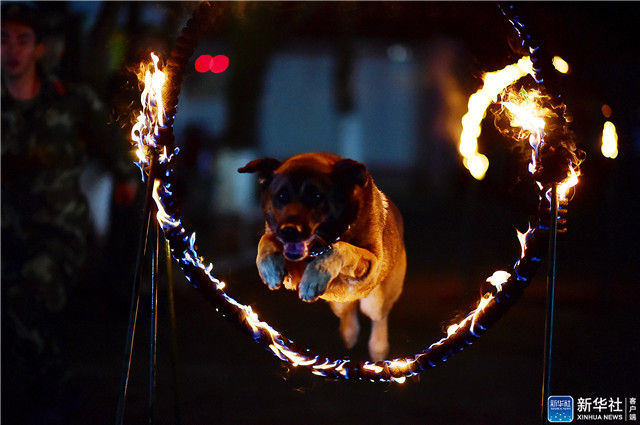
(553, 162)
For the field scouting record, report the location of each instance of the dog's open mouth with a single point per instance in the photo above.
(296, 251)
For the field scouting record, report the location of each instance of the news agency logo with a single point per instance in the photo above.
(560, 409)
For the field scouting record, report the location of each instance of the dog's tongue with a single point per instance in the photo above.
(295, 251)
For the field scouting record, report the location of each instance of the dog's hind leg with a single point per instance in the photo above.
(379, 339)
(349, 326)
(378, 304)
(374, 307)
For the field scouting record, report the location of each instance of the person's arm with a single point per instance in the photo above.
(107, 144)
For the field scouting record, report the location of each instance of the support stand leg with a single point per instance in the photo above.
(135, 294)
(174, 334)
(551, 296)
(153, 336)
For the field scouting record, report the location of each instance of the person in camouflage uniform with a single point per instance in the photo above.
(48, 131)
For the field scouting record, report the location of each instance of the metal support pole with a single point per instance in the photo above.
(153, 325)
(135, 293)
(551, 297)
(174, 334)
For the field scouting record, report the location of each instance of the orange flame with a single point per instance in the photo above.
(498, 278)
(522, 238)
(560, 64)
(472, 317)
(567, 184)
(525, 110)
(609, 146)
(151, 118)
(494, 84)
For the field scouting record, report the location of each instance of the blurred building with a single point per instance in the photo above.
(397, 98)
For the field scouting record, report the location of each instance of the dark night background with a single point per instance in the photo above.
(398, 73)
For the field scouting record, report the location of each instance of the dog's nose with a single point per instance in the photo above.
(291, 232)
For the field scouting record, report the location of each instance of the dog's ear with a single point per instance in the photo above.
(264, 167)
(351, 171)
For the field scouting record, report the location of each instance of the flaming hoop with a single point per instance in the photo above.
(552, 162)
(494, 84)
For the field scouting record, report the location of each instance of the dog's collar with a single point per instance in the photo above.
(325, 247)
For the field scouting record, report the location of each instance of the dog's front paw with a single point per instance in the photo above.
(272, 270)
(314, 283)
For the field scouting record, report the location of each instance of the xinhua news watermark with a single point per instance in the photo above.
(563, 409)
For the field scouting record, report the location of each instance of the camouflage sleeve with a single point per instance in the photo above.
(105, 141)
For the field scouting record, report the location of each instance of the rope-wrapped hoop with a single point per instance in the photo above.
(500, 292)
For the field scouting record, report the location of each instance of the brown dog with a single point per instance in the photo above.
(330, 233)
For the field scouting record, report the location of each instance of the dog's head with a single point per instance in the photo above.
(309, 200)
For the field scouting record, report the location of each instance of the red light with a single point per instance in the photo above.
(219, 64)
(204, 63)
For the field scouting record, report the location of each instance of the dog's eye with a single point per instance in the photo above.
(312, 196)
(283, 197)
